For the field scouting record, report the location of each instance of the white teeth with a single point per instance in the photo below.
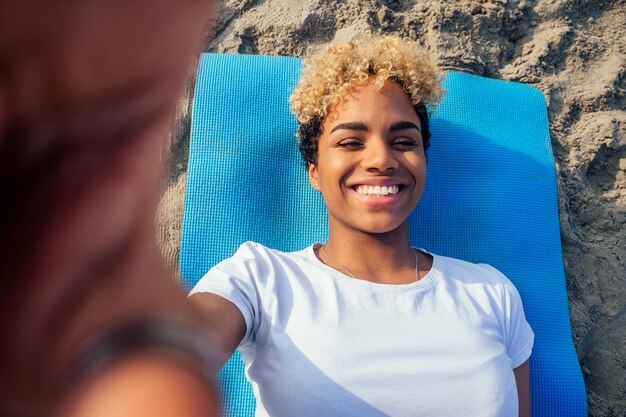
(378, 190)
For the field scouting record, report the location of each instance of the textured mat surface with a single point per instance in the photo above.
(490, 197)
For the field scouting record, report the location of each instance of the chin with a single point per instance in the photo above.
(380, 227)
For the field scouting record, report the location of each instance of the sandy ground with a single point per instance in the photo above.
(572, 50)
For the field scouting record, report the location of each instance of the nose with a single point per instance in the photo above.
(379, 156)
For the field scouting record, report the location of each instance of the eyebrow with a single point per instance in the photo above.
(360, 126)
(404, 125)
(351, 126)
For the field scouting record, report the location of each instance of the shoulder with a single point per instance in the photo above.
(255, 257)
(483, 284)
(475, 274)
(258, 251)
(251, 268)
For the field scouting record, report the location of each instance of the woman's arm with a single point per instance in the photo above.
(224, 320)
(522, 379)
(87, 90)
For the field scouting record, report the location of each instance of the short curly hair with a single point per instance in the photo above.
(330, 72)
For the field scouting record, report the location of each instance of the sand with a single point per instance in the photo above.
(574, 51)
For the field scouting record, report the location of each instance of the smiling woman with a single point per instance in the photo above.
(372, 142)
(379, 327)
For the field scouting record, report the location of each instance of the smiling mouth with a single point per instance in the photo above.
(377, 190)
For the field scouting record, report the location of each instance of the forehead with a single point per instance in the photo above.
(365, 101)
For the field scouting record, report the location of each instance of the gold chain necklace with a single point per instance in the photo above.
(417, 277)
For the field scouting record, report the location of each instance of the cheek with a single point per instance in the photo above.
(422, 172)
(417, 165)
(332, 169)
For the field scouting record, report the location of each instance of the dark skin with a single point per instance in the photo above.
(373, 136)
(87, 89)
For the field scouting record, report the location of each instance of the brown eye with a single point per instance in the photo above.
(404, 142)
(349, 143)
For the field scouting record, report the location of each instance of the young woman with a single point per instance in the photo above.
(364, 324)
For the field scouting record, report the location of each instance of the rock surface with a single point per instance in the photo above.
(572, 50)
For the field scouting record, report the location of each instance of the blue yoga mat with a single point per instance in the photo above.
(490, 197)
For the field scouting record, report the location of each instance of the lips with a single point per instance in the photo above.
(378, 195)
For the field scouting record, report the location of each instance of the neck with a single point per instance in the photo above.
(378, 257)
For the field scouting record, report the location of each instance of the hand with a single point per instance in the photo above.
(87, 88)
(143, 386)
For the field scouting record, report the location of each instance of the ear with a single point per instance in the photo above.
(313, 177)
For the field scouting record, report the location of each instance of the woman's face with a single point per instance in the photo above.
(371, 164)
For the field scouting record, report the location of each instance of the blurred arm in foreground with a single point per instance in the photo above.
(86, 93)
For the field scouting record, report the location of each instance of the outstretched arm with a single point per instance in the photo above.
(87, 88)
(224, 320)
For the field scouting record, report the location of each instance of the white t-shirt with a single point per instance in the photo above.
(320, 343)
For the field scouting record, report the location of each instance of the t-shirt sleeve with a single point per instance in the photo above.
(235, 279)
(518, 335)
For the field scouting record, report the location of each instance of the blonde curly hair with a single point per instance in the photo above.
(334, 69)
